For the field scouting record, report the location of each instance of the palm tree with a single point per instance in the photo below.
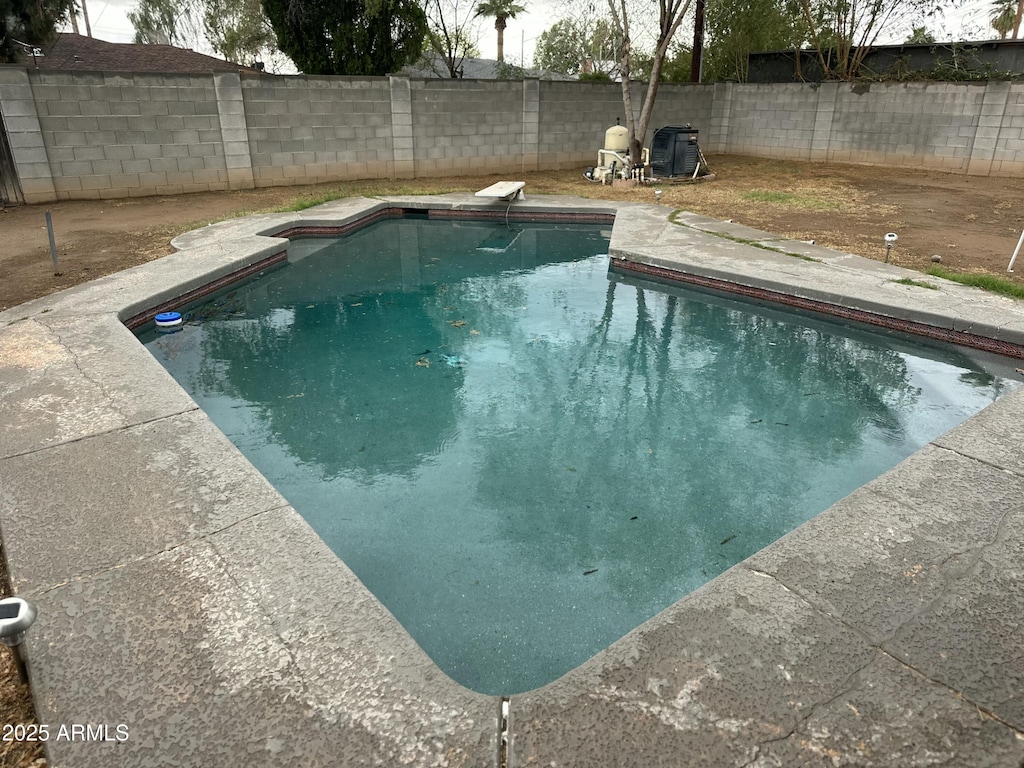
(501, 10)
(1002, 17)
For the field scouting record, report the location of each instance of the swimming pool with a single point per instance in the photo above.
(181, 592)
(525, 457)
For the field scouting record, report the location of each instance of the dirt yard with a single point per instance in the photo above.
(972, 223)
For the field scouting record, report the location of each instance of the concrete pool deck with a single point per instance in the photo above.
(181, 596)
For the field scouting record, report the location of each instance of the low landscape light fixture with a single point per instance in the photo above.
(890, 241)
(16, 616)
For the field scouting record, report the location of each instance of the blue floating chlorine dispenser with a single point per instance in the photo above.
(168, 322)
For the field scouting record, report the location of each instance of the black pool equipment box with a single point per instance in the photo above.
(674, 152)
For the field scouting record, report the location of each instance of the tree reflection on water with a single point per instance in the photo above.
(525, 460)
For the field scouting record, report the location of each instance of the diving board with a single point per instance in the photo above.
(504, 190)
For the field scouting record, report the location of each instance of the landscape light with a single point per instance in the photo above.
(890, 240)
(16, 616)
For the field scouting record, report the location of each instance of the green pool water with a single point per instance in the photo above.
(523, 456)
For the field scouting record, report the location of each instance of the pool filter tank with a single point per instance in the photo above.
(613, 159)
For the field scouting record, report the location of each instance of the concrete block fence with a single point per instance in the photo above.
(81, 135)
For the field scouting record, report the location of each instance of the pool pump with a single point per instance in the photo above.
(613, 160)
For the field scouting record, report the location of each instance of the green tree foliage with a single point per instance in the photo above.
(501, 11)
(578, 47)
(677, 64)
(348, 37)
(739, 27)
(920, 36)
(32, 22)
(1002, 17)
(504, 70)
(167, 22)
(239, 30)
(842, 32)
(561, 48)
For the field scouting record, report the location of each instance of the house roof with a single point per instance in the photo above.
(72, 51)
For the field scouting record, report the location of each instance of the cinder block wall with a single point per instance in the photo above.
(472, 126)
(112, 134)
(573, 119)
(927, 124)
(972, 128)
(574, 116)
(93, 135)
(1004, 133)
(307, 130)
(778, 123)
(682, 104)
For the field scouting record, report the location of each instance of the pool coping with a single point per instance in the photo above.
(180, 595)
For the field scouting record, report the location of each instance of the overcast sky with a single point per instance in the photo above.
(110, 22)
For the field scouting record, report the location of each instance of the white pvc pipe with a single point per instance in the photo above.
(1009, 267)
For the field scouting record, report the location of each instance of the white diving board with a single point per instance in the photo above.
(504, 190)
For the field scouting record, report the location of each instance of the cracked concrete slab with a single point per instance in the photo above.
(182, 597)
(906, 539)
(893, 716)
(193, 669)
(98, 503)
(995, 436)
(727, 668)
(972, 638)
(59, 383)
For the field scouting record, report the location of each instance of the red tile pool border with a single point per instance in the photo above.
(949, 335)
(324, 230)
(540, 216)
(136, 321)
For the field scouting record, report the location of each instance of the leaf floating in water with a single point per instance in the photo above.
(423, 362)
(300, 394)
(727, 539)
(456, 323)
(592, 570)
(1020, 371)
(474, 331)
(634, 517)
(757, 421)
(570, 469)
(448, 309)
(358, 304)
(782, 423)
(310, 306)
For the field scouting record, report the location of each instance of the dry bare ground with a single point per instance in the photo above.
(972, 223)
